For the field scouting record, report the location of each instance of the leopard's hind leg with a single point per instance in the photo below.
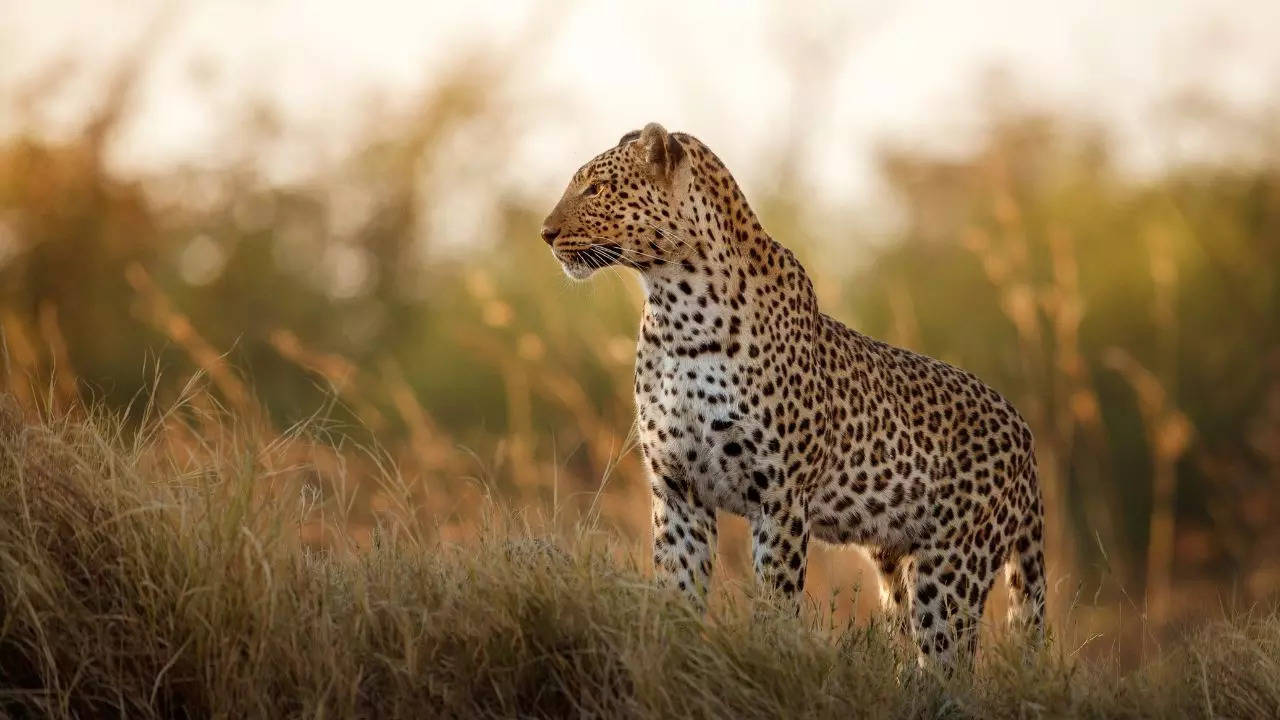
(951, 588)
(1024, 566)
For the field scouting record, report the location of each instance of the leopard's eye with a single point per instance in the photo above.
(590, 190)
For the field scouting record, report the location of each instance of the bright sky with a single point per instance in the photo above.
(829, 80)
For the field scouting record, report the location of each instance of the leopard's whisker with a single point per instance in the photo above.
(625, 251)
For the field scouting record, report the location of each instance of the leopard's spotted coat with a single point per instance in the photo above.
(752, 401)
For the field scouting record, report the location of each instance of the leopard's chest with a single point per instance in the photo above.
(691, 427)
(678, 398)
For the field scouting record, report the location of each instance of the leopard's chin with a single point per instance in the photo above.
(577, 270)
(574, 264)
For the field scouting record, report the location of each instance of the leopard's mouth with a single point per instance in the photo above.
(579, 263)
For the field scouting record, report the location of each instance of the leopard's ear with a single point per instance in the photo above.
(662, 152)
(628, 137)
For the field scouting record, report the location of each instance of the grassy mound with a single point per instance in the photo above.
(135, 581)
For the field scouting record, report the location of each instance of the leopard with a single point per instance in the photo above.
(751, 401)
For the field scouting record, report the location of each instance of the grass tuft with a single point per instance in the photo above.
(156, 579)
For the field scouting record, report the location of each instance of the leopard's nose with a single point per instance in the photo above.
(549, 234)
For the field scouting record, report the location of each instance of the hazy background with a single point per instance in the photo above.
(318, 211)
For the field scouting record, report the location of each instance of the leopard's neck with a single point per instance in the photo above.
(729, 279)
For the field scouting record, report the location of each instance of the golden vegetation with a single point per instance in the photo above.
(1133, 320)
(167, 576)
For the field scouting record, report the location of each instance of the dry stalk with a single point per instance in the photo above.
(1169, 434)
(159, 311)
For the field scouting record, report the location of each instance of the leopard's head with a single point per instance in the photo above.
(623, 207)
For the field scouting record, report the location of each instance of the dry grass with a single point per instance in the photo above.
(152, 577)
